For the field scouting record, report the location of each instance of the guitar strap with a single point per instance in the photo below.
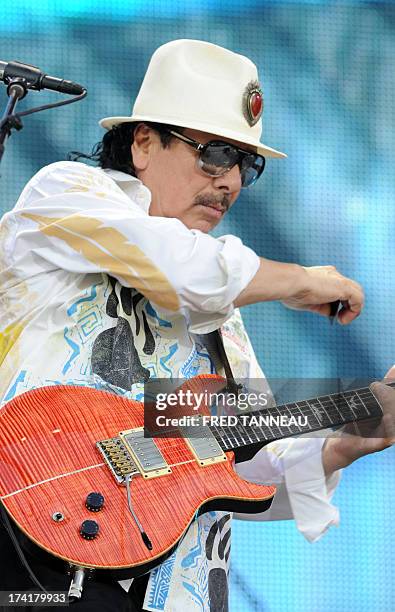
(215, 346)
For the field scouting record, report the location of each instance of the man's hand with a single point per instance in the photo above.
(339, 452)
(323, 285)
(304, 289)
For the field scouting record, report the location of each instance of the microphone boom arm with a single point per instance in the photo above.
(17, 88)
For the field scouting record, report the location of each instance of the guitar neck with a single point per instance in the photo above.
(263, 426)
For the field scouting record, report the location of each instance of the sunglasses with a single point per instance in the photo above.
(217, 157)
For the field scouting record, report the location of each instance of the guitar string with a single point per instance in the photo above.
(330, 408)
(333, 411)
(246, 430)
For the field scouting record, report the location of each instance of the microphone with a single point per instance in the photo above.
(36, 79)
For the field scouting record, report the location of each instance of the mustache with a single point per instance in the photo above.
(208, 199)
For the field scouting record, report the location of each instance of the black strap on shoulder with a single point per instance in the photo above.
(215, 346)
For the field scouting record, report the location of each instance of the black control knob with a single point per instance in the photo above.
(94, 502)
(89, 530)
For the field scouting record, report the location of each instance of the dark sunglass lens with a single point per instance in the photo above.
(218, 158)
(251, 169)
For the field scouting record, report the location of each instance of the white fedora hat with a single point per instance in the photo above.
(198, 85)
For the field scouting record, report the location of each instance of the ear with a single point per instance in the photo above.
(144, 140)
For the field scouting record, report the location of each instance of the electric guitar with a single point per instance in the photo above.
(81, 481)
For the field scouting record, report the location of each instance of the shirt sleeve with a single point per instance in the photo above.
(304, 494)
(294, 465)
(76, 218)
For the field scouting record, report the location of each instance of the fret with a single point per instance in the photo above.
(297, 412)
(265, 437)
(346, 414)
(246, 432)
(240, 429)
(340, 411)
(298, 430)
(370, 404)
(281, 411)
(251, 429)
(275, 432)
(309, 414)
(363, 403)
(352, 402)
(270, 432)
(366, 395)
(221, 437)
(266, 432)
(350, 405)
(233, 433)
(320, 412)
(324, 409)
(336, 408)
(230, 434)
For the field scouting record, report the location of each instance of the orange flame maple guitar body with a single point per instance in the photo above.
(49, 463)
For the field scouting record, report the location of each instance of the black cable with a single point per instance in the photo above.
(36, 109)
(10, 531)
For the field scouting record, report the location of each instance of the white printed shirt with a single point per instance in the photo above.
(96, 292)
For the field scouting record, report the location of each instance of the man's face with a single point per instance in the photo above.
(178, 186)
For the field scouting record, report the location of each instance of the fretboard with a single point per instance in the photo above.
(310, 415)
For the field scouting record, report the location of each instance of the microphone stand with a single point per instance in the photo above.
(16, 90)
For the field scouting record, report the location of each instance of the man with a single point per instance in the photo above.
(110, 278)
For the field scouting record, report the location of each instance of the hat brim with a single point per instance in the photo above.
(260, 148)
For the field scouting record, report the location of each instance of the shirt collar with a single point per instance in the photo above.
(132, 187)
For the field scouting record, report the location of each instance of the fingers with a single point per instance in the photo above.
(323, 286)
(322, 309)
(349, 313)
(385, 395)
(350, 294)
(354, 302)
(390, 374)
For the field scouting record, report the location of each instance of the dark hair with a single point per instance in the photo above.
(114, 150)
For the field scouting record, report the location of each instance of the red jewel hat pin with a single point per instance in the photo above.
(252, 102)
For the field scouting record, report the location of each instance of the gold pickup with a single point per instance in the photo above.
(147, 456)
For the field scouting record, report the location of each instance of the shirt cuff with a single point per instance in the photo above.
(309, 491)
(304, 494)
